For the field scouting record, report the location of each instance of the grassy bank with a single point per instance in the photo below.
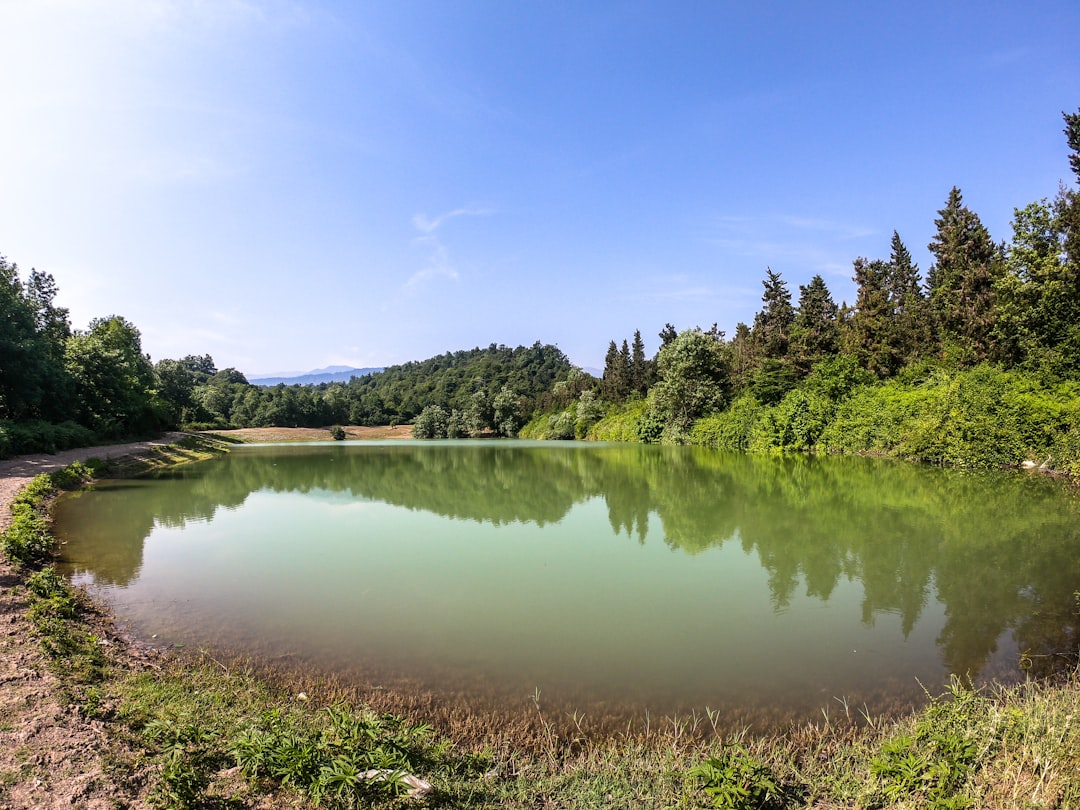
(196, 730)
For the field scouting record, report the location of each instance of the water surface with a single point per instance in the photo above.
(614, 578)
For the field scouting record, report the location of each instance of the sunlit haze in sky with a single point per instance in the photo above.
(290, 185)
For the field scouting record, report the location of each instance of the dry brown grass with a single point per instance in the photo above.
(280, 434)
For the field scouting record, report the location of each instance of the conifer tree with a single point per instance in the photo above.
(871, 326)
(742, 356)
(772, 325)
(961, 282)
(912, 328)
(815, 332)
(612, 382)
(1068, 204)
(626, 370)
(639, 371)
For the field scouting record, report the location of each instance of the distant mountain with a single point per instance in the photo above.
(319, 375)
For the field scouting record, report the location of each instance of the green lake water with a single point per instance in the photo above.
(613, 578)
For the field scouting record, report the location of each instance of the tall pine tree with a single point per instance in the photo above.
(869, 330)
(912, 333)
(815, 332)
(961, 282)
(772, 325)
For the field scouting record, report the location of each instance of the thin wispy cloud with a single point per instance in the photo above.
(429, 225)
(806, 243)
(438, 266)
(839, 229)
(438, 261)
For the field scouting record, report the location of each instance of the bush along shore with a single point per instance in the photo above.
(192, 729)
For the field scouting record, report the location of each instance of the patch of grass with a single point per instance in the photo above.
(198, 719)
(186, 449)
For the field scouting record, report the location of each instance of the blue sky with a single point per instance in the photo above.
(289, 185)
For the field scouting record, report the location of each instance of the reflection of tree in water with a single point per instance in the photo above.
(113, 520)
(999, 551)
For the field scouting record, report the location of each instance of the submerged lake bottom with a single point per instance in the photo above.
(612, 581)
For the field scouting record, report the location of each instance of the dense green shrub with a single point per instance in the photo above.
(983, 417)
(795, 423)
(621, 424)
(19, 438)
(731, 429)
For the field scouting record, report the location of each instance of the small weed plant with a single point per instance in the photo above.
(932, 764)
(737, 780)
(348, 759)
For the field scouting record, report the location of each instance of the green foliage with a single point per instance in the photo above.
(737, 780)
(773, 324)
(932, 764)
(962, 281)
(75, 474)
(621, 423)
(553, 426)
(27, 540)
(732, 429)
(467, 381)
(337, 432)
(984, 417)
(890, 323)
(113, 379)
(815, 333)
(694, 381)
(32, 335)
(795, 423)
(432, 423)
(36, 436)
(589, 411)
(510, 412)
(1038, 297)
(772, 380)
(54, 598)
(345, 759)
(55, 611)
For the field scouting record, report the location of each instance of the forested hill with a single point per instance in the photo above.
(327, 375)
(62, 388)
(495, 381)
(471, 380)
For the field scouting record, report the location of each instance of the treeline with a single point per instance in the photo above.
(61, 387)
(978, 362)
(497, 387)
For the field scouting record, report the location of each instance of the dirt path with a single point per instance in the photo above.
(50, 754)
(15, 473)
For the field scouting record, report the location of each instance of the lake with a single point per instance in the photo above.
(614, 579)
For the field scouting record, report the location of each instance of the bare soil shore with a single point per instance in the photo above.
(274, 434)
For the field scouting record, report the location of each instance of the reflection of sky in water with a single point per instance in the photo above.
(651, 575)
